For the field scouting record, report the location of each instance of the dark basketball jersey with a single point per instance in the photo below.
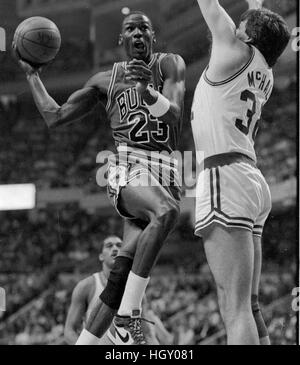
(131, 122)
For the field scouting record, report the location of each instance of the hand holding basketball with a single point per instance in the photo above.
(26, 67)
(37, 41)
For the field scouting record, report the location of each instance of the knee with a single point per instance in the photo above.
(167, 214)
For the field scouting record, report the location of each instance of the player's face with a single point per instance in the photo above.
(241, 32)
(111, 248)
(137, 37)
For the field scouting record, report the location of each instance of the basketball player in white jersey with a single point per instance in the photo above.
(85, 297)
(233, 199)
(86, 293)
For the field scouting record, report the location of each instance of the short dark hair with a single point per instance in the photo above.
(268, 31)
(107, 238)
(137, 12)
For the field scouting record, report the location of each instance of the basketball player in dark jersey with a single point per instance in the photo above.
(144, 101)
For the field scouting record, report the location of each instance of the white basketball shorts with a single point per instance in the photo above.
(235, 195)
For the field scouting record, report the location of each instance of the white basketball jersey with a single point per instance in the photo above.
(225, 115)
(99, 287)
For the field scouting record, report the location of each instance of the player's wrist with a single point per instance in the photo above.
(30, 74)
(141, 87)
(161, 106)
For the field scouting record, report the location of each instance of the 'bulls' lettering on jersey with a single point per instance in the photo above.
(129, 100)
(131, 122)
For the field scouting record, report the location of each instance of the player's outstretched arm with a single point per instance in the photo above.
(77, 106)
(76, 313)
(167, 106)
(219, 22)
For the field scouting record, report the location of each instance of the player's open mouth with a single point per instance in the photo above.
(139, 46)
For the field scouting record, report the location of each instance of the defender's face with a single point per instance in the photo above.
(137, 37)
(241, 32)
(111, 248)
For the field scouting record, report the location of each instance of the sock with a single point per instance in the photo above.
(260, 323)
(133, 295)
(87, 338)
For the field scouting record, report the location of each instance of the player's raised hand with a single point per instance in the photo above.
(26, 67)
(255, 4)
(138, 71)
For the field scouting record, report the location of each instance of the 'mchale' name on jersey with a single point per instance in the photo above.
(226, 114)
(262, 81)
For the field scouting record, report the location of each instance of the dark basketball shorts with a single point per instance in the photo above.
(140, 172)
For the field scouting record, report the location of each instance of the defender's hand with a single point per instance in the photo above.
(139, 72)
(26, 67)
(255, 4)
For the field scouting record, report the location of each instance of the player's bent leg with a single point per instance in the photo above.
(154, 205)
(131, 233)
(104, 311)
(111, 297)
(113, 292)
(230, 256)
(260, 323)
(100, 319)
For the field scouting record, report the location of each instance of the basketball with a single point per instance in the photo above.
(37, 40)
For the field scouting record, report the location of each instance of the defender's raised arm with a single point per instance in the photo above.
(219, 22)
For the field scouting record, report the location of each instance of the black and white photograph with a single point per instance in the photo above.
(149, 174)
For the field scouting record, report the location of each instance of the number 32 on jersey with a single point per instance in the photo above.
(247, 96)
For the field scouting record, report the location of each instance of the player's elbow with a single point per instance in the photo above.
(52, 117)
(57, 118)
